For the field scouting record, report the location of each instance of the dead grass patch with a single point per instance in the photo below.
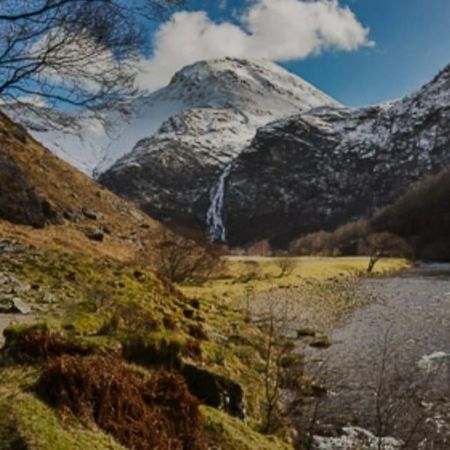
(33, 343)
(142, 414)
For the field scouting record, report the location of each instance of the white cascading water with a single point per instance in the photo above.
(217, 231)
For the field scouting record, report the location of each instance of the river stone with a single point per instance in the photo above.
(430, 362)
(356, 438)
(19, 306)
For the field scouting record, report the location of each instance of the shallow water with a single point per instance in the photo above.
(389, 367)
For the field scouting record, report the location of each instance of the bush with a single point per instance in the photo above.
(28, 344)
(182, 258)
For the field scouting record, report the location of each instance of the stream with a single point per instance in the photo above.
(388, 370)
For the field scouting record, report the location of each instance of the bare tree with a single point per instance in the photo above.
(282, 368)
(381, 245)
(77, 52)
(286, 266)
(182, 258)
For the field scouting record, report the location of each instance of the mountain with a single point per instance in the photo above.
(331, 165)
(246, 151)
(171, 174)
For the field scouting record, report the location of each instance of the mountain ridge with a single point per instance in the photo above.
(94, 140)
(245, 150)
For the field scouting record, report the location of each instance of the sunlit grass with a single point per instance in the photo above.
(243, 275)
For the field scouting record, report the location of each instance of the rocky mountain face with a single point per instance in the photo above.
(328, 166)
(171, 174)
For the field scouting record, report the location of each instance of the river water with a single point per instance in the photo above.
(388, 370)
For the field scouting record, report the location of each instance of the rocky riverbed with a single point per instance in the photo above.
(388, 370)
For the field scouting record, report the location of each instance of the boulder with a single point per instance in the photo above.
(14, 305)
(94, 235)
(215, 390)
(89, 213)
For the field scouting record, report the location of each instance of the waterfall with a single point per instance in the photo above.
(215, 215)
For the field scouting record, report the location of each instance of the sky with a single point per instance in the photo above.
(358, 51)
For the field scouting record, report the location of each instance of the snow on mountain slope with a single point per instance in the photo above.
(326, 167)
(231, 98)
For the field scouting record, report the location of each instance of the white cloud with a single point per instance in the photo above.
(223, 4)
(278, 30)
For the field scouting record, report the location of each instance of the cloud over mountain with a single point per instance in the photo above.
(279, 30)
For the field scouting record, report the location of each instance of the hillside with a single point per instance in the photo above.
(98, 350)
(50, 204)
(421, 216)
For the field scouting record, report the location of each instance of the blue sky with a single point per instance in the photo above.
(412, 43)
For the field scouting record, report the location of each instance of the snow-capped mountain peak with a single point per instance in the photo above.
(251, 93)
(246, 82)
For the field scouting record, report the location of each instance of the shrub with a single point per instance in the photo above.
(286, 266)
(381, 245)
(182, 257)
(153, 351)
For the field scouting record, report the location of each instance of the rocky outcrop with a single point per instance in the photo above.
(215, 390)
(20, 203)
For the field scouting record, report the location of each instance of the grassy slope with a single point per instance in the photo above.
(85, 294)
(68, 189)
(96, 292)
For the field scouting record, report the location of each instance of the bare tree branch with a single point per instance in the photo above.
(79, 52)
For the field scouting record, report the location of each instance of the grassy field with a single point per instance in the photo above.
(239, 275)
(318, 292)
